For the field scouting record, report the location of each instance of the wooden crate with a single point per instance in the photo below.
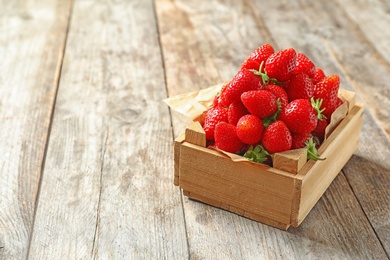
(280, 196)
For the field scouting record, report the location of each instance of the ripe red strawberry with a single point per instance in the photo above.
(299, 116)
(281, 65)
(235, 111)
(226, 138)
(277, 137)
(279, 92)
(257, 57)
(260, 103)
(243, 81)
(300, 86)
(250, 129)
(305, 65)
(299, 140)
(318, 76)
(327, 90)
(213, 116)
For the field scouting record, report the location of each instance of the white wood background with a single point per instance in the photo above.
(86, 170)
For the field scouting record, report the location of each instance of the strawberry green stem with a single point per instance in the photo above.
(316, 104)
(312, 152)
(313, 156)
(264, 77)
(256, 154)
(268, 120)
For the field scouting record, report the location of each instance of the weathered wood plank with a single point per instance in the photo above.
(213, 233)
(107, 189)
(365, 70)
(32, 40)
(324, 28)
(368, 173)
(358, 40)
(192, 64)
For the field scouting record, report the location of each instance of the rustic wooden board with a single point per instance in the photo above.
(107, 190)
(192, 64)
(332, 40)
(365, 56)
(32, 40)
(211, 40)
(369, 176)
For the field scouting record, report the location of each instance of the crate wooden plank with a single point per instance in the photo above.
(176, 151)
(316, 176)
(238, 210)
(254, 188)
(290, 161)
(195, 134)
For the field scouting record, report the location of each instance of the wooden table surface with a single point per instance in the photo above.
(87, 159)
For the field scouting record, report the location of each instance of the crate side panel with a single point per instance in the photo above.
(176, 153)
(320, 174)
(240, 185)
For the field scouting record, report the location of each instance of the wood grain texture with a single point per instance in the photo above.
(263, 191)
(191, 64)
(368, 173)
(321, 31)
(213, 233)
(337, 150)
(195, 134)
(107, 189)
(359, 46)
(32, 40)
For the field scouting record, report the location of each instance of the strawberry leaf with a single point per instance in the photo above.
(312, 152)
(268, 120)
(264, 77)
(316, 104)
(256, 154)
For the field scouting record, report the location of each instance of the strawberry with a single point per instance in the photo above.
(277, 137)
(318, 76)
(257, 57)
(281, 65)
(300, 86)
(299, 116)
(235, 111)
(226, 138)
(279, 92)
(327, 90)
(299, 140)
(243, 81)
(249, 129)
(213, 116)
(305, 65)
(260, 103)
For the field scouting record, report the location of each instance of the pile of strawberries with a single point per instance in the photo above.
(276, 102)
